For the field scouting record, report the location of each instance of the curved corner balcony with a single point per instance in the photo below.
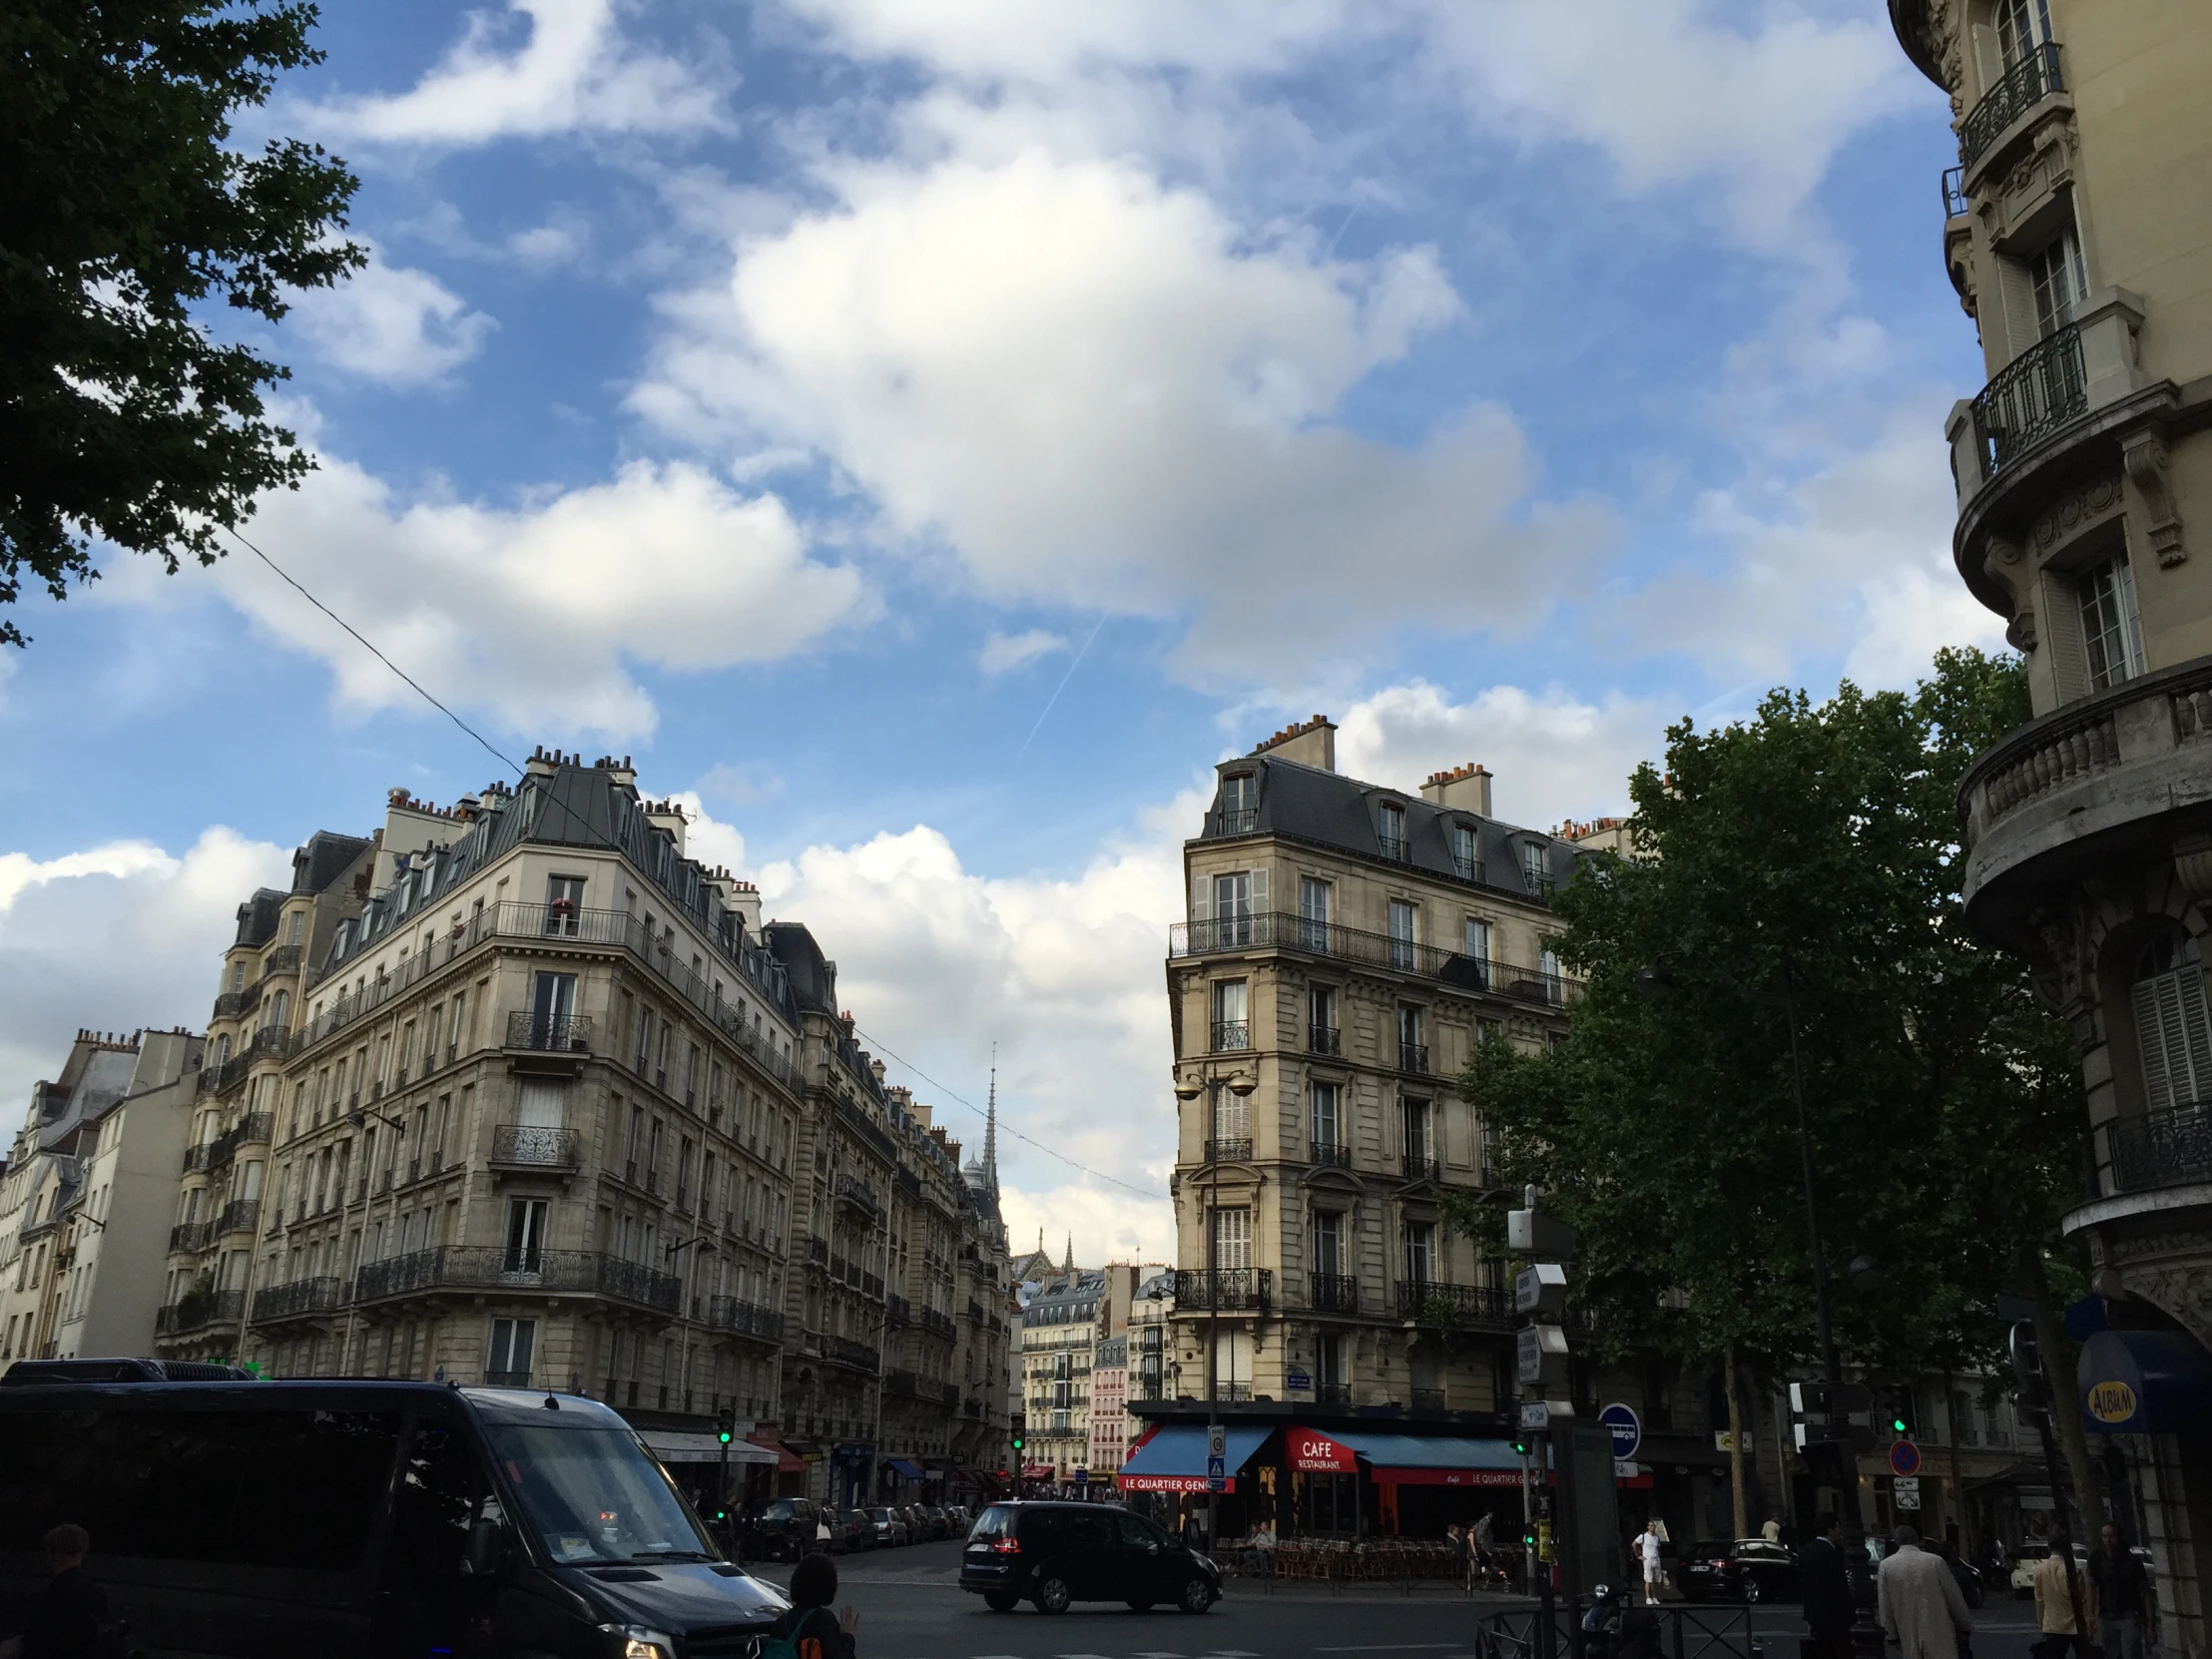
(2154, 1185)
(2115, 774)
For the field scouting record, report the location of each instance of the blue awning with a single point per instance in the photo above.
(1173, 1459)
(904, 1469)
(2144, 1383)
(1442, 1460)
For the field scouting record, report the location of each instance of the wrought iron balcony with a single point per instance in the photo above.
(196, 1310)
(191, 1236)
(898, 1313)
(1323, 1040)
(851, 1190)
(535, 1146)
(939, 1325)
(1417, 1168)
(283, 959)
(490, 1267)
(298, 1299)
(1394, 847)
(901, 1382)
(1954, 195)
(1332, 1394)
(549, 1034)
(843, 1351)
(240, 1215)
(1282, 931)
(195, 1157)
(1231, 1151)
(817, 1250)
(2026, 84)
(2171, 1148)
(1227, 1289)
(746, 1318)
(231, 1004)
(1239, 823)
(220, 1080)
(1433, 1302)
(1334, 1292)
(2034, 396)
(1328, 1155)
(1413, 1057)
(1229, 1034)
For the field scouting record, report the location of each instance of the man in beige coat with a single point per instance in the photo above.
(1921, 1608)
(2054, 1601)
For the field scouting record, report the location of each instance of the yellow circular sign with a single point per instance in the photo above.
(2111, 1402)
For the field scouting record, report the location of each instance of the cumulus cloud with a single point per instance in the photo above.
(116, 937)
(1003, 653)
(1096, 391)
(394, 324)
(541, 67)
(534, 612)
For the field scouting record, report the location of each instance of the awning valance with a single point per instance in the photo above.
(2144, 1383)
(1411, 1459)
(1171, 1458)
(904, 1469)
(788, 1461)
(671, 1446)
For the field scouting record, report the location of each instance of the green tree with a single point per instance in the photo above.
(1805, 860)
(123, 210)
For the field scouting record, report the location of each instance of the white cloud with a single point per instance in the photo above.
(1097, 391)
(393, 323)
(573, 72)
(533, 612)
(115, 938)
(1003, 653)
(1912, 611)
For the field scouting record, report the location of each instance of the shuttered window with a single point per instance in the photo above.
(2171, 1027)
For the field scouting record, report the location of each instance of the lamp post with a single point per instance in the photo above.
(1241, 1084)
(358, 1118)
(705, 1246)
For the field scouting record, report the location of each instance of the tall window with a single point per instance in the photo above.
(2171, 1027)
(1240, 798)
(507, 1364)
(1233, 908)
(1389, 825)
(1404, 929)
(1412, 1052)
(2024, 28)
(1232, 1119)
(293, 925)
(1327, 1232)
(1232, 1238)
(1421, 1149)
(525, 1235)
(1463, 862)
(1326, 1129)
(644, 1041)
(1232, 1017)
(1547, 965)
(2111, 631)
(1320, 1020)
(564, 902)
(1313, 913)
(1421, 1252)
(1536, 864)
(1329, 1361)
(2060, 280)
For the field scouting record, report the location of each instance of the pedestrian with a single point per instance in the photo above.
(1771, 1530)
(1462, 1555)
(2065, 1629)
(2124, 1597)
(1647, 1551)
(70, 1618)
(808, 1630)
(1824, 1587)
(1922, 1609)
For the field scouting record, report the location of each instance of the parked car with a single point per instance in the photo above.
(918, 1528)
(236, 1516)
(889, 1528)
(940, 1521)
(852, 1531)
(1052, 1554)
(784, 1530)
(1748, 1570)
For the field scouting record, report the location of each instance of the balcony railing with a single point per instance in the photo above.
(1417, 1168)
(1280, 930)
(202, 1307)
(537, 1146)
(1231, 1034)
(936, 1324)
(191, 1235)
(898, 1313)
(2029, 82)
(858, 1194)
(1332, 1394)
(1334, 1292)
(2034, 396)
(1955, 193)
(2171, 1148)
(240, 1215)
(843, 1351)
(1241, 822)
(1394, 847)
(490, 1267)
(197, 1156)
(1323, 1040)
(1432, 1302)
(1230, 1151)
(231, 1004)
(283, 959)
(549, 1033)
(1230, 1288)
(298, 1299)
(1328, 1155)
(226, 1077)
(746, 1318)
(1413, 1057)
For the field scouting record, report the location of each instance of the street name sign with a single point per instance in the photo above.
(1542, 1354)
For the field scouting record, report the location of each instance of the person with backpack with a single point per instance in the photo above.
(70, 1619)
(808, 1630)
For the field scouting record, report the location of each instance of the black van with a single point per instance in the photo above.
(1055, 1553)
(269, 1521)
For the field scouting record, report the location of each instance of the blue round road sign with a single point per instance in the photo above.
(1904, 1458)
(1627, 1427)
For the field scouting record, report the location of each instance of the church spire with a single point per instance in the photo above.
(990, 1134)
(1069, 1270)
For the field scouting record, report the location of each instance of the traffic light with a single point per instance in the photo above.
(1017, 1442)
(1900, 1413)
(727, 1429)
(1520, 1446)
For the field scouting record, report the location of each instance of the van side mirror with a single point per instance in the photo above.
(487, 1550)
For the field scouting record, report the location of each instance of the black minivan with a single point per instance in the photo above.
(1054, 1554)
(267, 1521)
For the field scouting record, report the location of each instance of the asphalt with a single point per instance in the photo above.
(912, 1607)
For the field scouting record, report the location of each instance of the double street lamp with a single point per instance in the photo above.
(1241, 1084)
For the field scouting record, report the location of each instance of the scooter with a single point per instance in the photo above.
(1616, 1627)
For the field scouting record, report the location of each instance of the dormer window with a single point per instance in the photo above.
(1391, 829)
(1240, 800)
(1535, 857)
(1464, 865)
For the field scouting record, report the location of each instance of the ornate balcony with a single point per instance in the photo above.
(1323, 1040)
(1332, 1293)
(535, 1146)
(2172, 1148)
(843, 1351)
(1230, 1289)
(939, 1325)
(858, 1196)
(2024, 86)
(1231, 1034)
(1413, 1057)
(532, 1273)
(196, 1310)
(240, 1215)
(548, 1035)
(298, 1299)
(1233, 1151)
(1280, 930)
(743, 1318)
(190, 1237)
(1327, 1155)
(1433, 1302)
(2043, 389)
(1417, 1168)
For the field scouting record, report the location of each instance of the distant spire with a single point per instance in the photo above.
(990, 1134)
(1069, 1270)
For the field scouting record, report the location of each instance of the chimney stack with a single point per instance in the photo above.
(1313, 744)
(1464, 789)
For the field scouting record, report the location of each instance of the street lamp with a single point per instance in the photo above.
(706, 1246)
(1241, 1084)
(359, 1120)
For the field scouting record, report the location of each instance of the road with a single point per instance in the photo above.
(912, 1607)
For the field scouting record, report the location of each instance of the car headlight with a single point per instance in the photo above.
(638, 1642)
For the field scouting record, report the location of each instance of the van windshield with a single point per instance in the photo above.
(592, 1494)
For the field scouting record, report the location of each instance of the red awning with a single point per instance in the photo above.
(787, 1460)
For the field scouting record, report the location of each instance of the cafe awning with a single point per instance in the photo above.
(904, 1469)
(1408, 1459)
(788, 1461)
(671, 1446)
(1171, 1458)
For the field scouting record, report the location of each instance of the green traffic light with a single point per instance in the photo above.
(725, 1436)
(1897, 1424)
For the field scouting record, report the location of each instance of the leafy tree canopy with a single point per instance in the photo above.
(123, 207)
(1808, 856)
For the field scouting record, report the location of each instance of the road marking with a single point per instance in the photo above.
(1396, 1647)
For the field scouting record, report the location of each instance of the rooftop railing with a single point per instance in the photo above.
(1280, 930)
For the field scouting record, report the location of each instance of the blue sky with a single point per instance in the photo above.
(785, 394)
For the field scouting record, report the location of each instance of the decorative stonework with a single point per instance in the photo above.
(2144, 455)
(2171, 1270)
(2193, 866)
(2060, 973)
(2081, 510)
(2020, 633)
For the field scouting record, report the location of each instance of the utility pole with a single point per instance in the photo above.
(1540, 1294)
(1240, 1084)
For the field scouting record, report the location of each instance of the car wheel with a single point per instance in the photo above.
(1052, 1594)
(1750, 1592)
(1001, 1601)
(1196, 1596)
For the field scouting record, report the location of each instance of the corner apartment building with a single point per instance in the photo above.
(2078, 235)
(85, 1201)
(1348, 946)
(1078, 1311)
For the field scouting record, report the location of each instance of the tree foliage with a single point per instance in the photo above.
(123, 209)
(1810, 858)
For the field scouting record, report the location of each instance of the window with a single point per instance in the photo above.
(1233, 908)
(1328, 1228)
(280, 1012)
(1421, 1151)
(564, 902)
(1232, 1021)
(1389, 825)
(1464, 865)
(644, 1041)
(2171, 1027)
(2060, 280)
(1233, 1239)
(1421, 1252)
(1412, 1052)
(1321, 1021)
(1231, 1130)
(1535, 862)
(1403, 934)
(1548, 967)
(292, 927)
(507, 1364)
(1313, 913)
(2112, 633)
(2024, 28)
(238, 976)
(453, 1031)
(1239, 800)
(525, 1235)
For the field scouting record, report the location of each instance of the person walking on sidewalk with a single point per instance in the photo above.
(1647, 1551)
(1824, 1589)
(1922, 1609)
(2124, 1597)
(2066, 1627)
